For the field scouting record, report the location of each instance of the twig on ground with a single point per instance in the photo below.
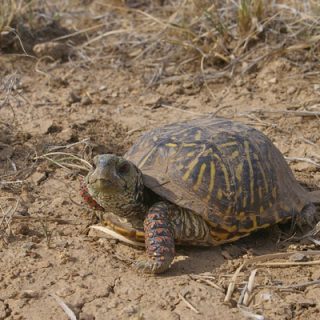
(59, 221)
(117, 235)
(4, 182)
(65, 308)
(208, 282)
(68, 146)
(308, 160)
(6, 219)
(256, 260)
(302, 285)
(63, 162)
(215, 113)
(76, 33)
(288, 264)
(250, 288)
(249, 314)
(188, 304)
(289, 112)
(181, 110)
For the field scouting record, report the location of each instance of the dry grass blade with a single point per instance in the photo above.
(188, 304)
(302, 285)
(85, 141)
(59, 221)
(315, 241)
(66, 166)
(72, 156)
(232, 283)
(249, 314)
(289, 112)
(67, 160)
(212, 284)
(6, 220)
(4, 182)
(73, 34)
(243, 292)
(65, 308)
(106, 34)
(117, 236)
(303, 160)
(208, 282)
(8, 11)
(260, 259)
(181, 110)
(250, 287)
(288, 264)
(244, 309)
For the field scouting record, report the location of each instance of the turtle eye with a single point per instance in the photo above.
(123, 168)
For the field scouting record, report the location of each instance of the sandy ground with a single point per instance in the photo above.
(46, 249)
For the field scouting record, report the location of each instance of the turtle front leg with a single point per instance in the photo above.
(159, 240)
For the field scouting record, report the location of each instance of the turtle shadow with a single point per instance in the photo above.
(198, 260)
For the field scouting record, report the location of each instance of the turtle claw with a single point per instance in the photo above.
(151, 266)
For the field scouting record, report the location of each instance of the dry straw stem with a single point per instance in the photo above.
(59, 221)
(257, 261)
(188, 304)
(299, 286)
(289, 112)
(250, 287)
(249, 314)
(71, 315)
(9, 9)
(66, 160)
(85, 141)
(117, 235)
(6, 220)
(288, 264)
(307, 160)
(206, 279)
(241, 302)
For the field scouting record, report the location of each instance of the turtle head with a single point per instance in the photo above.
(115, 184)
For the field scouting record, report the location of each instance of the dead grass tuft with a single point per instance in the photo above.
(209, 39)
(203, 40)
(25, 23)
(8, 11)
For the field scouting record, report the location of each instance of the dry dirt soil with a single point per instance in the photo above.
(46, 248)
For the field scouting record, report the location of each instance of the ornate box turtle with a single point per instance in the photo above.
(206, 181)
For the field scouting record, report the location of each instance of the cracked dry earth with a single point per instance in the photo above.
(49, 251)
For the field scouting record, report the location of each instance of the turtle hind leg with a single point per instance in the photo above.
(309, 217)
(315, 196)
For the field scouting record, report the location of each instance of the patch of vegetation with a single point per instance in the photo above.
(174, 39)
(23, 23)
(213, 38)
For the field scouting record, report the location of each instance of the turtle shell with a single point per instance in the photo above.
(227, 172)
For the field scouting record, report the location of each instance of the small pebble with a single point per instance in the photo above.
(86, 101)
(291, 90)
(28, 246)
(130, 310)
(73, 97)
(29, 294)
(298, 257)
(85, 316)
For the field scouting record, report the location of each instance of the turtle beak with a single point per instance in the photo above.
(104, 177)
